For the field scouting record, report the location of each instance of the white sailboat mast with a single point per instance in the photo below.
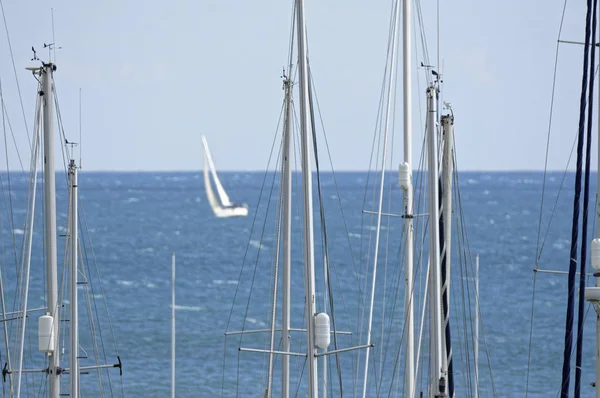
(173, 325)
(74, 352)
(434, 246)
(50, 208)
(309, 251)
(476, 326)
(287, 239)
(27, 253)
(409, 369)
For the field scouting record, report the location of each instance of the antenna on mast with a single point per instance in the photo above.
(80, 141)
(71, 152)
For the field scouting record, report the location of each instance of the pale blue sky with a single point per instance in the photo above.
(156, 75)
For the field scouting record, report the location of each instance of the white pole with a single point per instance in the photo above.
(50, 208)
(309, 250)
(476, 392)
(27, 257)
(173, 325)
(74, 354)
(390, 87)
(325, 298)
(287, 241)
(409, 369)
(434, 245)
(422, 327)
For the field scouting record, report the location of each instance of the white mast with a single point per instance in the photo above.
(287, 239)
(27, 256)
(50, 207)
(309, 251)
(74, 352)
(173, 325)
(476, 348)
(435, 350)
(409, 369)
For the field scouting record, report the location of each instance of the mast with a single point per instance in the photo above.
(74, 352)
(309, 251)
(173, 325)
(476, 339)
(50, 207)
(447, 170)
(27, 255)
(435, 345)
(287, 239)
(409, 368)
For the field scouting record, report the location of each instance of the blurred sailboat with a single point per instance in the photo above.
(221, 206)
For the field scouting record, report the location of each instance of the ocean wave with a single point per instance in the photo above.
(188, 307)
(257, 244)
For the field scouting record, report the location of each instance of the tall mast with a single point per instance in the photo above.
(309, 251)
(409, 369)
(287, 238)
(476, 339)
(50, 207)
(27, 251)
(173, 325)
(435, 349)
(447, 170)
(74, 353)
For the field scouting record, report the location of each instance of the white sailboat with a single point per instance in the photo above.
(222, 207)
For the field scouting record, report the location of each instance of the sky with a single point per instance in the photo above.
(157, 75)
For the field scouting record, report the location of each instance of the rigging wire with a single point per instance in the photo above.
(323, 226)
(538, 248)
(469, 255)
(375, 144)
(246, 251)
(15, 72)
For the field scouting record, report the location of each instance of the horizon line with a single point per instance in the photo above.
(296, 171)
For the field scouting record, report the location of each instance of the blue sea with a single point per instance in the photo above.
(133, 222)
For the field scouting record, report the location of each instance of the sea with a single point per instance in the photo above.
(132, 223)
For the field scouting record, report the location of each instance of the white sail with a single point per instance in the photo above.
(221, 206)
(212, 200)
(220, 190)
